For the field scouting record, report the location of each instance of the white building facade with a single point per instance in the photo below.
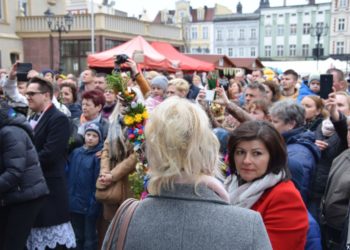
(237, 35)
(340, 29)
(288, 32)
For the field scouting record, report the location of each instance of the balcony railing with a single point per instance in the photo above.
(104, 23)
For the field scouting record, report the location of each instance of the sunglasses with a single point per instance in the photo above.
(31, 94)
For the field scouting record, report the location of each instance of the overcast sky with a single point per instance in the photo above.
(135, 7)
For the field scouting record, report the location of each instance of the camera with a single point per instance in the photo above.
(121, 59)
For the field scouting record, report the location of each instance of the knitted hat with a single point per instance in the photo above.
(95, 127)
(314, 76)
(160, 81)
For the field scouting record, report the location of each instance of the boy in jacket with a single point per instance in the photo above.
(83, 170)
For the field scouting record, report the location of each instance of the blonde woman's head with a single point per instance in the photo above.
(178, 87)
(179, 143)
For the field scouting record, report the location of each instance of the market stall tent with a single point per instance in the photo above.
(152, 58)
(185, 62)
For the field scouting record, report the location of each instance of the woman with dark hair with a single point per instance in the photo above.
(272, 90)
(92, 104)
(260, 180)
(69, 97)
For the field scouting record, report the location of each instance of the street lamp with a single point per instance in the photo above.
(318, 31)
(58, 25)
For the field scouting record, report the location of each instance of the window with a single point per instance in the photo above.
(292, 50)
(252, 52)
(343, 3)
(23, 7)
(267, 51)
(268, 31)
(187, 33)
(293, 14)
(306, 28)
(219, 35)
(268, 16)
(306, 13)
(241, 34)
(340, 48)
(230, 52)
(280, 30)
(280, 15)
(14, 57)
(293, 29)
(194, 34)
(341, 24)
(241, 52)
(253, 34)
(219, 51)
(320, 12)
(74, 54)
(230, 35)
(111, 43)
(305, 51)
(279, 50)
(205, 33)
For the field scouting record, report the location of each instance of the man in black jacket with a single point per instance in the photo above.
(22, 184)
(51, 135)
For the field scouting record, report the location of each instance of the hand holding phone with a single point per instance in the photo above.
(326, 85)
(22, 71)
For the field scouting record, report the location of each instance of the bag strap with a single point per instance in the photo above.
(125, 207)
(125, 224)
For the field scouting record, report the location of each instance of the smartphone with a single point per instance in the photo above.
(22, 71)
(326, 85)
(209, 95)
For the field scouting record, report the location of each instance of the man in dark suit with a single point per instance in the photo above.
(51, 135)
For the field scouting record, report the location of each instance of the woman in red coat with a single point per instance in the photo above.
(260, 180)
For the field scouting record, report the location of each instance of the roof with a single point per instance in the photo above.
(247, 63)
(208, 15)
(236, 17)
(214, 59)
(185, 62)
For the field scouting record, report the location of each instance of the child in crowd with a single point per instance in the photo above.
(159, 85)
(312, 87)
(83, 170)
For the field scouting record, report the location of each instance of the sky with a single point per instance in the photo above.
(135, 7)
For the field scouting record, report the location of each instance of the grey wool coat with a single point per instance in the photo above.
(183, 219)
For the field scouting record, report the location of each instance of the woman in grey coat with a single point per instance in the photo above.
(187, 207)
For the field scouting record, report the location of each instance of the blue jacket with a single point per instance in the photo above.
(82, 172)
(302, 150)
(304, 90)
(313, 241)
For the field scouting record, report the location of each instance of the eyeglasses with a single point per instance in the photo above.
(31, 94)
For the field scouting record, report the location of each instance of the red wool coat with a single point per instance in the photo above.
(284, 215)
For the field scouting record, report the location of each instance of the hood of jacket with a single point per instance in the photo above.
(9, 117)
(303, 137)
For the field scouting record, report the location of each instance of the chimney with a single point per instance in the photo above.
(239, 8)
(312, 2)
(284, 2)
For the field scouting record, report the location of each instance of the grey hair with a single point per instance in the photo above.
(289, 111)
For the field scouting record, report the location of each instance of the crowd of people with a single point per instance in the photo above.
(233, 162)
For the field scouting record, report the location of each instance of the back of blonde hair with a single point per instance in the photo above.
(179, 142)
